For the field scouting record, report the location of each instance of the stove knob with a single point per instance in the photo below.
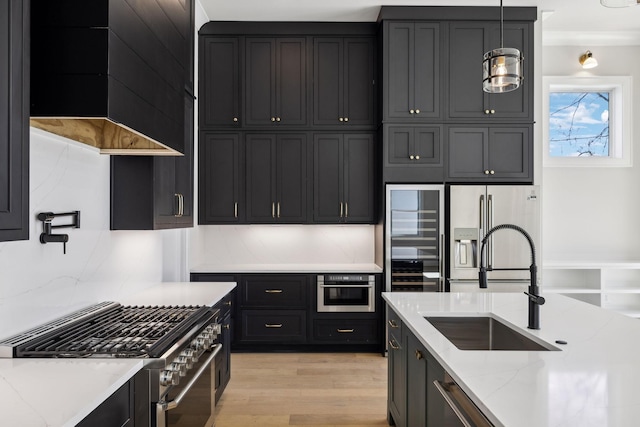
(198, 345)
(207, 338)
(216, 329)
(168, 378)
(190, 354)
(184, 360)
(179, 368)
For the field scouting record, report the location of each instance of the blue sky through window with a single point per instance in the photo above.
(579, 124)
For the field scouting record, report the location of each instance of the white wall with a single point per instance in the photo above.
(37, 281)
(592, 213)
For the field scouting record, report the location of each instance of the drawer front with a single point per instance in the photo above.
(275, 291)
(394, 324)
(274, 326)
(353, 331)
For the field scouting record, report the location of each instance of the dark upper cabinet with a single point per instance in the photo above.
(343, 181)
(154, 192)
(413, 153)
(14, 120)
(468, 41)
(276, 176)
(221, 178)
(219, 82)
(492, 154)
(275, 81)
(344, 81)
(412, 75)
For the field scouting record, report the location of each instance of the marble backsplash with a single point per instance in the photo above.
(37, 281)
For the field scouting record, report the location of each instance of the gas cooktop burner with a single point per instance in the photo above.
(110, 330)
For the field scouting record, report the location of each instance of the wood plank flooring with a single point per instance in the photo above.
(305, 389)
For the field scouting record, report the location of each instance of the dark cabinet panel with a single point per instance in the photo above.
(491, 154)
(221, 189)
(279, 326)
(413, 153)
(275, 291)
(413, 83)
(14, 120)
(344, 178)
(467, 100)
(343, 90)
(116, 410)
(219, 82)
(397, 377)
(416, 382)
(346, 331)
(151, 193)
(276, 177)
(276, 83)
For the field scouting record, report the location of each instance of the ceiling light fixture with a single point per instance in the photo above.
(587, 60)
(502, 67)
(619, 3)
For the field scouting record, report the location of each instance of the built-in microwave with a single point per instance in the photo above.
(346, 293)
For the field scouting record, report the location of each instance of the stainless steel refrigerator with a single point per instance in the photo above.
(414, 238)
(475, 209)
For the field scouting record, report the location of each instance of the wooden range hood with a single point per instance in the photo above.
(110, 74)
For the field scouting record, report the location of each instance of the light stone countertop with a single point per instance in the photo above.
(61, 392)
(592, 381)
(287, 268)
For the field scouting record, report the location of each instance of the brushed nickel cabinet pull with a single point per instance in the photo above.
(419, 355)
(273, 325)
(278, 210)
(345, 331)
(235, 209)
(273, 210)
(393, 345)
(273, 291)
(393, 323)
(346, 210)
(346, 119)
(341, 209)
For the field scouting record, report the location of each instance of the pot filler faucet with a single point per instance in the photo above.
(535, 300)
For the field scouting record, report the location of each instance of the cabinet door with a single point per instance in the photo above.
(470, 40)
(413, 68)
(291, 178)
(467, 154)
(220, 179)
(359, 101)
(14, 120)
(358, 175)
(397, 383)
(291, 82)
(328, 85)
(276, 91)
(509, 153)
(184, 169)
(260, 78)
(413, 154)
(327, 178)
(416, 382)
(219, 82)
(261, 185)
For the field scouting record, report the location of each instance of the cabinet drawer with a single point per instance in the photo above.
(394, 324)
(289, 291)
(274, 326)
(353, 331)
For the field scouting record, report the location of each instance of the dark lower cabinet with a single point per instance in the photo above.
(14, 120)
(273, 326)
(343, 184)
(346, 331)
(397, 377)
(116, 411)
(490, 154)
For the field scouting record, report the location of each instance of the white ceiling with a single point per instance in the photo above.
(570, 22)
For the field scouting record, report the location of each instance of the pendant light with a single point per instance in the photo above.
(502, 67)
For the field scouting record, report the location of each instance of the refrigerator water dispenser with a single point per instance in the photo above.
(466, 245)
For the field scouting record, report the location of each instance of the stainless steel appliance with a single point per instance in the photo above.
(176, 388)
(346, 293)
(452, 407)
(414, 238)
(474, 210)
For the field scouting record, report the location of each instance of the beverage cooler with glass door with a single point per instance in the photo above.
(414, 238)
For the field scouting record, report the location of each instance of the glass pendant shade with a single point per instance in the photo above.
(502, 70)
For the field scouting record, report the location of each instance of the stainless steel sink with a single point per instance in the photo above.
(484, 333)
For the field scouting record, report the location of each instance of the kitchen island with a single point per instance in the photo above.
(590, 381)
(62, 392)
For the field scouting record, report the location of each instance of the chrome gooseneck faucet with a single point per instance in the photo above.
(535, 300)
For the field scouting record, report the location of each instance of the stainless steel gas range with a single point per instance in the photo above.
(178, 345)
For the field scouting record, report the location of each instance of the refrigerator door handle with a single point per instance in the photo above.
(489, 227)
(441, 255)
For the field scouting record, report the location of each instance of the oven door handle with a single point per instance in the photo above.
(345, 285)
(163, 406)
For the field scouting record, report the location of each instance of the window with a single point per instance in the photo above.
(587, 121)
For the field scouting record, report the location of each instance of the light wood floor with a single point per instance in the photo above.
(305, 389)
